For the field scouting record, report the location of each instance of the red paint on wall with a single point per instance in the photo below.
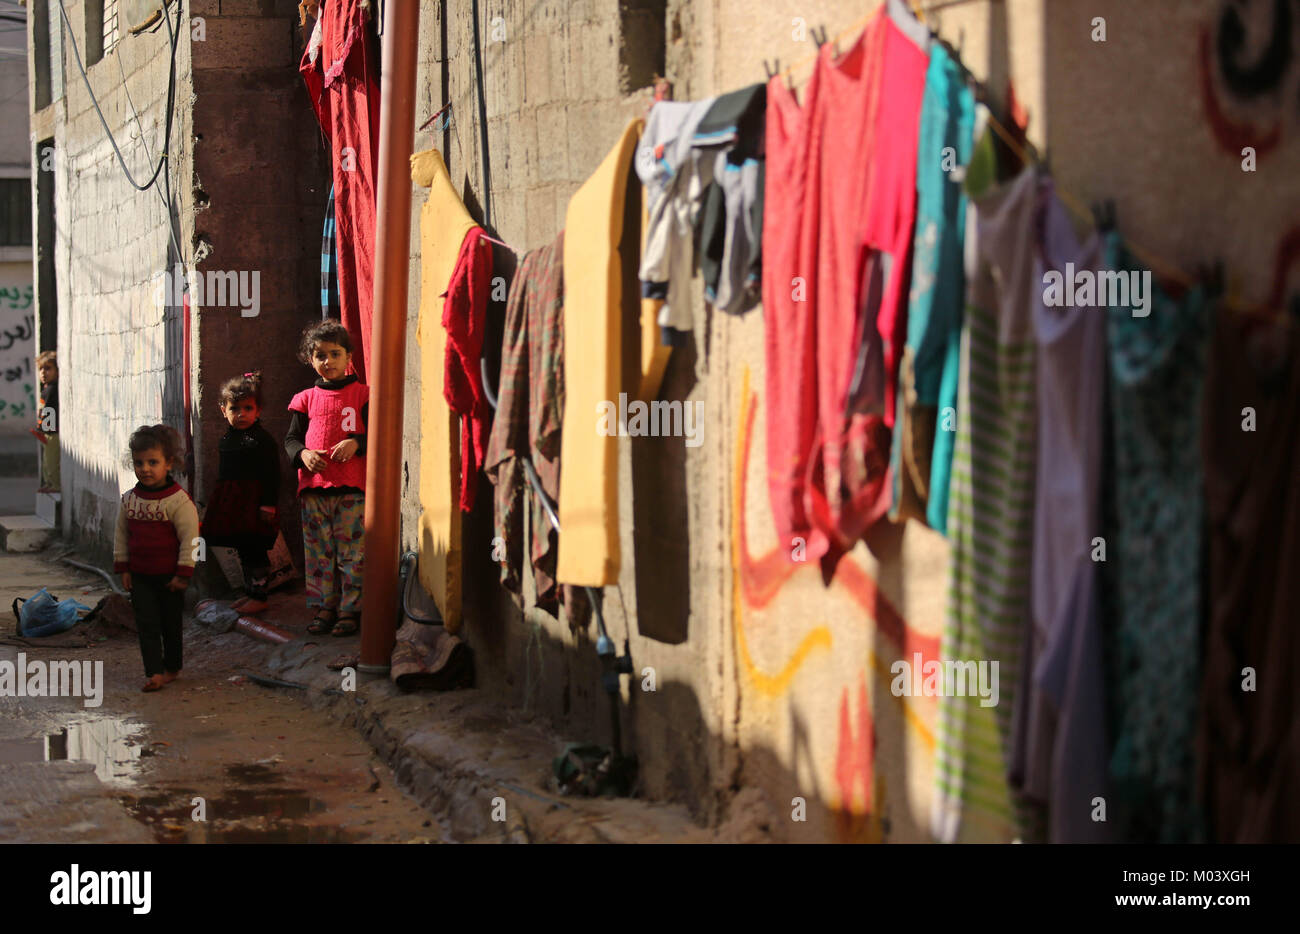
(1232, 136)
(763, 577)
(856, 755)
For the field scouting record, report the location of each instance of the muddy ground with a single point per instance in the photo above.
(267, 767)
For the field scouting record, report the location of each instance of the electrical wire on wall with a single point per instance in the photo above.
(162, 171)
(171, 90)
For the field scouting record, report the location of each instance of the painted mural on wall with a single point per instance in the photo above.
(17, 349)
(1251, 101)
(858, 796)
(1249, 76)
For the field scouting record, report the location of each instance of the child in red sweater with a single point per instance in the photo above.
(327, 443)
(154, 550)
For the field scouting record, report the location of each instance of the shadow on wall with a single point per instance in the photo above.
(89, 517)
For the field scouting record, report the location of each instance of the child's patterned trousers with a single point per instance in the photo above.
(332, 531)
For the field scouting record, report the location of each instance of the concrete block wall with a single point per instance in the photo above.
(119, 350)
(768, 677)
(257, 202)
(557, 95)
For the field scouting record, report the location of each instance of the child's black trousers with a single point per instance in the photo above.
(158, 622)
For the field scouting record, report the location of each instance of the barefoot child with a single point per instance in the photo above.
(327, 443)
(242, 511)
(154, 550)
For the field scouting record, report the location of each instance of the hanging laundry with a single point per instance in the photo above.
(445, 228)
(464, 314)
(1249, 735)
(329, 265)
(530, 400)
(530, 406)
(342, 79)
(990, 521)
(789, 332)
(729, 235)
(928, 369)
(674, 174)
(602, 243)
(530, 403)
(1153, 565)
(654, 354)
(841, 184)
(1059, 748)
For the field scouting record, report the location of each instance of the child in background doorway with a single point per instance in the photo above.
(327, 443)
(157, 532)
(47, 421)
(242, 512)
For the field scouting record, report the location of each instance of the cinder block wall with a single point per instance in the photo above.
(770, 680)
(119, 350)
(257, 205)
(560, 83)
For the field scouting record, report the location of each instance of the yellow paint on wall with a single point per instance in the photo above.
(820, 637)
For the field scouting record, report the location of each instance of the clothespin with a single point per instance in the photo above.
(820, 40)
(773, 69)
(445, 123)
(1103, 215)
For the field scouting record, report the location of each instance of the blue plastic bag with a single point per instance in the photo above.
(42, 615)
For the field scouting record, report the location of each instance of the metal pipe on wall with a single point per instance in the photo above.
(388, 336)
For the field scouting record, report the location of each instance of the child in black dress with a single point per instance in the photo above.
(242, 513)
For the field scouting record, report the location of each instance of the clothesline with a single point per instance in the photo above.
(1167, 269)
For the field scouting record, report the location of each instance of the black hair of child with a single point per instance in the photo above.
(163, 437)
(328, 331)
(248, 386)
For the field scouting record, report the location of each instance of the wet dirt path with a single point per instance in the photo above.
(212, 757)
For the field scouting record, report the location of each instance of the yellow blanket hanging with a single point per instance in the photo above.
(444, 223)
(602, 247)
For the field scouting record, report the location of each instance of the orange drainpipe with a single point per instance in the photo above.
(388, 336)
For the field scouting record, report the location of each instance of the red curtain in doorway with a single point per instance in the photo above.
(343, 83)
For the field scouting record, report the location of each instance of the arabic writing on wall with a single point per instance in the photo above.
(16, 297)
(17, 348)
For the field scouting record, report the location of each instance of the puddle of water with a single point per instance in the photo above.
(105, 742)
(239, 815)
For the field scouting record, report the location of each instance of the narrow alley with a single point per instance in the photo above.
(654, 421)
